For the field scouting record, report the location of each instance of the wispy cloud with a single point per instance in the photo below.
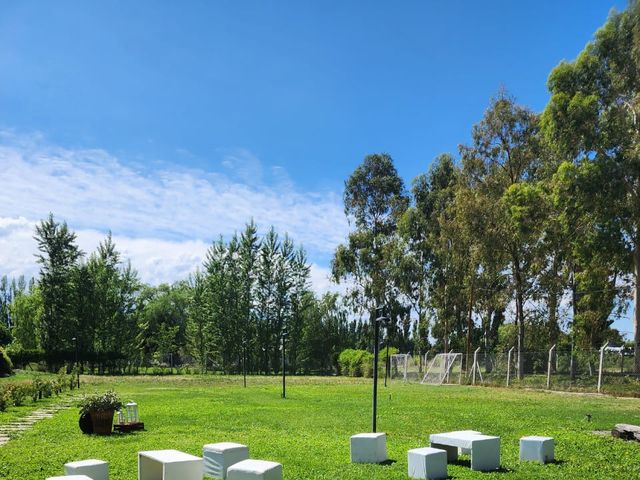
(163, 220)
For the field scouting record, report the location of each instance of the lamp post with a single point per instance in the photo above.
(75, 347)
(284, 372)
(244, 362)
(376, 347)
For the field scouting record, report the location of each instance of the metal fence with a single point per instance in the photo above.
(607, 370)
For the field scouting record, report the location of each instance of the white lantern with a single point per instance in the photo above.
(132, 412)
(122, 418)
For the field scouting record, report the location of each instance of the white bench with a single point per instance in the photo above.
(485, 449)
(218, 457)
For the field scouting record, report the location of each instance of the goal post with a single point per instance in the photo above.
(444, 368)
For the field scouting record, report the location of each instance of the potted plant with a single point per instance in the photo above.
(101, 408)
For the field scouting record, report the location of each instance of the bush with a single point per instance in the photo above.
(355, 363)
(4, 398)
(6, 367)
(100, 402)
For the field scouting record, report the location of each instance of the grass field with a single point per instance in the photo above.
(309, 431)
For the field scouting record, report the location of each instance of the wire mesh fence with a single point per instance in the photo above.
(608, 370)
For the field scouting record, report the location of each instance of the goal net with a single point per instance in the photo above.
(399, 366)
(444, 368)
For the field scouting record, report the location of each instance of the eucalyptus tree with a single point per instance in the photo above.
(593, 118)
(502, 163)
(374, 199)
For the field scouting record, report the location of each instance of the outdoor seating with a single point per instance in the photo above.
(168, 465)
(538, 449)
(94, 469)
(485, 449)
(427, 463)
(255, 470)
(369, 448)
(218, 457)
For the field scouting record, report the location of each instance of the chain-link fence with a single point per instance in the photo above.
(608, 370)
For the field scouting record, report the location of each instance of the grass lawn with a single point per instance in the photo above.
(309, 431)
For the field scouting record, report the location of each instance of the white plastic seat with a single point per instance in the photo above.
(218, 457)
(92, 468)
(255, 470)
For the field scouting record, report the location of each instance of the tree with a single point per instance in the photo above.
(593, 120)
(374, 199)
(58, 257)
(501, 162)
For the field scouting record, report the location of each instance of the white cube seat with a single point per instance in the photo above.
(255, 470)
(369, 448)
(70, 477)
(218, 457)
(92, 468)
(427, 463)
(537, 449)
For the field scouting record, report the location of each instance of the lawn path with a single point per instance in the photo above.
(13, 429)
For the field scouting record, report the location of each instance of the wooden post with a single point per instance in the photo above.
(509, 365)
(549, 366)
(601, 362)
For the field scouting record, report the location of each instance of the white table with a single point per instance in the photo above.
(485, 449)
(168, 465)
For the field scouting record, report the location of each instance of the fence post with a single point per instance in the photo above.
(509, 365)
(549, 366)
(601, 363)
(475, 365)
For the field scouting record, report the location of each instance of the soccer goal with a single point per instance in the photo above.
(399, 366)
(444, 368)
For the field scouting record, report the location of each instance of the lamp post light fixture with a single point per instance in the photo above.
(380, 318)
(284, 371)
(75, 347)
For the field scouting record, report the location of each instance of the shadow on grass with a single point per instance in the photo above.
(467, 463)
(388, 462)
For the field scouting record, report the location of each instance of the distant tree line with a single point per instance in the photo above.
(530, 236)
(228, 315)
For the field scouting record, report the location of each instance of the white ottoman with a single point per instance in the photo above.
(369, 448)
(427, 463)
(255, 470)
(538, 449)
(95, 469)
(70, 477)
(218, 457)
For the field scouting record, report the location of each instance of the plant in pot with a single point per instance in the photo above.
(101, 408)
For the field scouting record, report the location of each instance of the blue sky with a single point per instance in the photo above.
(270, 105)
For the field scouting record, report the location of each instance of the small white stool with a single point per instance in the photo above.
(537, 449)
(95, 469)
(369, 448)
(427, 463)
(70, 477)
(218, 457)
(255, 470)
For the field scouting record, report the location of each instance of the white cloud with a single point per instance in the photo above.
(162, 220)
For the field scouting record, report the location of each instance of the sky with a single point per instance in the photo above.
(172, 123)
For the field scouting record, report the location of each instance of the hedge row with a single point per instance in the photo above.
(19, 393)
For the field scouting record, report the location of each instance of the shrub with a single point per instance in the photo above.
(355, 363)
(6, 367)
(4, 398)
(100, 402)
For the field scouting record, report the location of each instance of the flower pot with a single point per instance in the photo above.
(102, 421)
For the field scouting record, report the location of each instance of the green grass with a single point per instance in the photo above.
(309, 431)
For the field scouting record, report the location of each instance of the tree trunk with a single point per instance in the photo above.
(636, 309)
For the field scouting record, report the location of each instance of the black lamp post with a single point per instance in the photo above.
(284, 372)
(244, 362)
(75, 347)
(376, 347)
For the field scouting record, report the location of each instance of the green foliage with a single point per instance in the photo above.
(6, 366)
(355, 363)
(100, 402)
